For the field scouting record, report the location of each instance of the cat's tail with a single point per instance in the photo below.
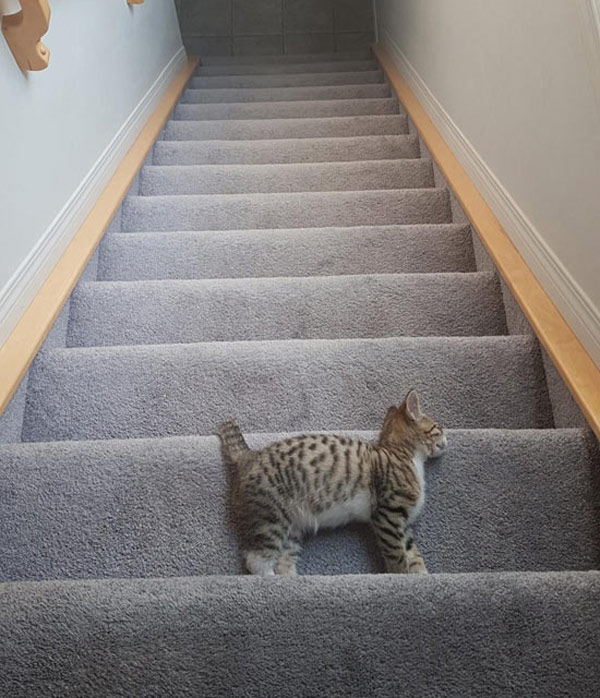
(233, 444)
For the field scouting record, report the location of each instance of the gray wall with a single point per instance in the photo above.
(242, 27)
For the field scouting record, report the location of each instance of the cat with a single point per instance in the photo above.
(296, 486)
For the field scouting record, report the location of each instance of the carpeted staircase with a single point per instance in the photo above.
(287, 258)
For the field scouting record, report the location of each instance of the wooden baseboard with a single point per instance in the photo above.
(21, 346)
(573, 363)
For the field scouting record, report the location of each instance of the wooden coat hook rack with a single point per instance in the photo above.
(23, 31)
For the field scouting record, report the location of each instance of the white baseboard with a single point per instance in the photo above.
(22, 287)
(573, 303)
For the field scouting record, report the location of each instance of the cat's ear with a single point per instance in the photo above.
(412, 406)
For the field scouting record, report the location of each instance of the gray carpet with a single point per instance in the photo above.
(223, 95)
(206, 82)
(287, 109)
(167, 389)
(320, 64)
(498, 500)
(298, 177)
(168, 312)
(302, 209)
(533, 635)
(286, 258)
(311, 127)
(288, 150)
(340, 57)
(281, 252)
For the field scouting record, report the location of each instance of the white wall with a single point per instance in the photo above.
(516, 85)
(55, 124)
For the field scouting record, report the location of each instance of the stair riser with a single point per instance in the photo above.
(286, 128)
(332, 307)
(307, 79)
(129, 392)
(284, 94)
(255, 253)
(487, 482)
(287, 110)
(285, 151)
(340, 57)
(220, 637)
(287, 68)
(315, 210)
(241, 179)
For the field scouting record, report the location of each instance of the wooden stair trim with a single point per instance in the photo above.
(571, 360)
(19, 350)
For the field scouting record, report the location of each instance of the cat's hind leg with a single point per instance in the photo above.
(286, 565)
(260, 564)
(264, 544)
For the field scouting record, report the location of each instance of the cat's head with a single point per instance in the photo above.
(406, 424)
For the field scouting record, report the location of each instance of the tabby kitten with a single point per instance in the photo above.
(317, 481)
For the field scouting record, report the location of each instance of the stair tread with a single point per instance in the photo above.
(161, 390)
(405, 173)
(305, 93)
(341, 56)
(285, 210)
(364, 64)
(497, 500)
(312, 252)
(223, 636)
(308, 127)
(163, 312)
(312, 79)
(287, 109)
(285, 150)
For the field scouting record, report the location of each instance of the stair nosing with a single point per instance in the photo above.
(383, 162)
(310, 119)
(582, 432)
(345, 85)
(403, 227)
(359, 192)
(253, 76)
(295, 101)
(516, 339)
(216, 141)
(320, 279)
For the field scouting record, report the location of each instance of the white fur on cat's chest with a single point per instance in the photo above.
(419, 466)
(356, 509)
(359, 508)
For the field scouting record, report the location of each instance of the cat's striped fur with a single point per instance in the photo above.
(299, 485)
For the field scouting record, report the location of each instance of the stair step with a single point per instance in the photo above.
(285, 150)
(297, 252)
(468, 635)
(163, 312)
(241, 130)
(294, 385)
(289, 58)
(287, 110)
(300, 209)
(322, 66)
(158, 508)
(225, 95)
(354, 77)
(296, 177)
